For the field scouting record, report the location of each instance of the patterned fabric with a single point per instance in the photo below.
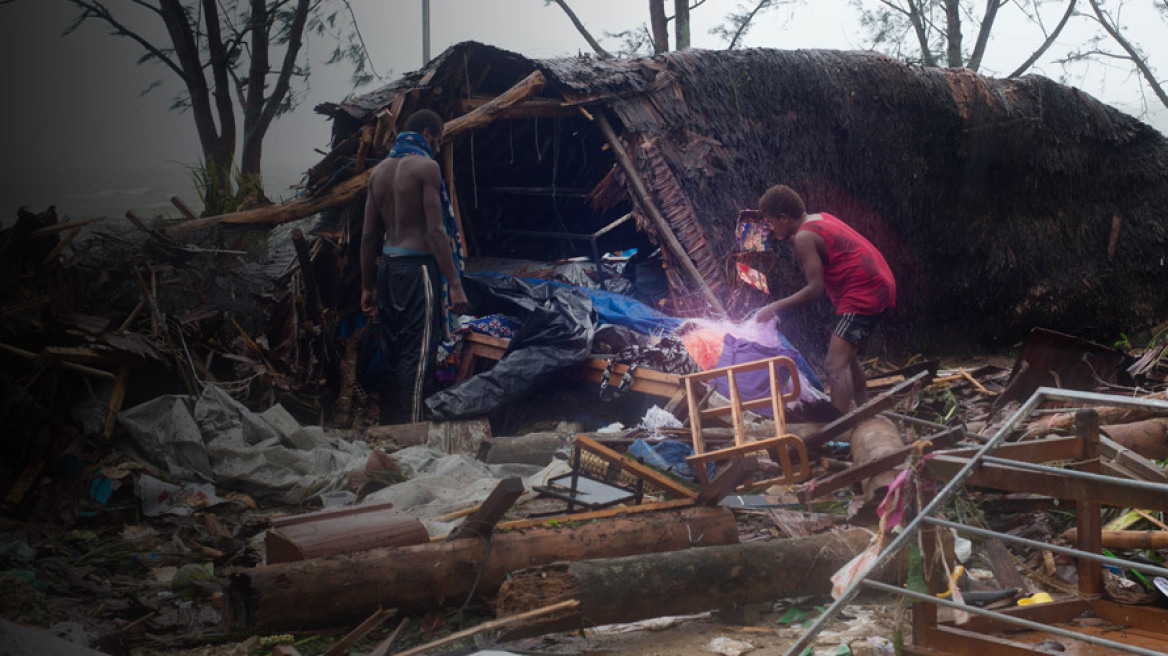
(413, 143)
(667, 355)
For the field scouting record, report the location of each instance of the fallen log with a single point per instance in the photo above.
(1149, 437)
(694, 580)
(423, 577)
(872, 440)
(1107, 416)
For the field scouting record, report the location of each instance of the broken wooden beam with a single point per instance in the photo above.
(483, 520)
(423, 577)
(642, 586)
(872, 408)
(525, 89)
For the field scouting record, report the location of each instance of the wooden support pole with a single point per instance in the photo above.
(664, 231)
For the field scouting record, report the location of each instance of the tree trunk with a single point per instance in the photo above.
(953, 32)
(659, 26)
(681, 23)
(331, 591)
(1149, 438)
(689, 581)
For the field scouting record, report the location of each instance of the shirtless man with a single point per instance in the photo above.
(839, 261)
(403, 219)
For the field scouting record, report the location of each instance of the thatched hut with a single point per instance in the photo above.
(1001, 204)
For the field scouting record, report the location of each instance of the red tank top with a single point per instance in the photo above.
(855, 274)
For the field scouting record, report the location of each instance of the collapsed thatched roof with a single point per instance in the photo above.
(1000, 204)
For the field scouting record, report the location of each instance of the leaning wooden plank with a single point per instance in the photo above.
(852, 475)
(500, 623)
(635, 468)
(425, 576)
(642, 586)
(483, 520)
(870, 409)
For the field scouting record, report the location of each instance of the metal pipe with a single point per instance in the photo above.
(885, 556)
(1101, 399)
(1147, 486)
(425, 32)
(1066, 551)
(1010, 619)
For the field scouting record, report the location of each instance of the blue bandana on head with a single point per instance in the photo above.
(413, 143)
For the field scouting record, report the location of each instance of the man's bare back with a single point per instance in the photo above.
(400, 188)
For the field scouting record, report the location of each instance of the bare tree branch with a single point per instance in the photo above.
(1050, 39)
(983, 32)
(99, 11)
(583, 30)
(1136, 57)
(744, 24)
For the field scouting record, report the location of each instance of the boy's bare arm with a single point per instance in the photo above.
(807, 248)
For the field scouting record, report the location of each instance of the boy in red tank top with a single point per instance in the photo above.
(839, 261)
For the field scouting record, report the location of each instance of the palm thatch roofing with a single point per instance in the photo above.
(1001, 204)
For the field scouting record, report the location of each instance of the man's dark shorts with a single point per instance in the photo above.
(855, 329)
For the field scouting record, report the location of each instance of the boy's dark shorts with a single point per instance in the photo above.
(855, 329)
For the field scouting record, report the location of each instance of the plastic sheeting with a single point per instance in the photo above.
(756, 384)
(557, 323)
(215, 439)
(440, 483)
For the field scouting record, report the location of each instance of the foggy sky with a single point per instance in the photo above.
(73, 105)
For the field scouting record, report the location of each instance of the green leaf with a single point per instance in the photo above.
(794, 615)
(916, 570)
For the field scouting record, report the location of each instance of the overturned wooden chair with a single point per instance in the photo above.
(779, 447)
